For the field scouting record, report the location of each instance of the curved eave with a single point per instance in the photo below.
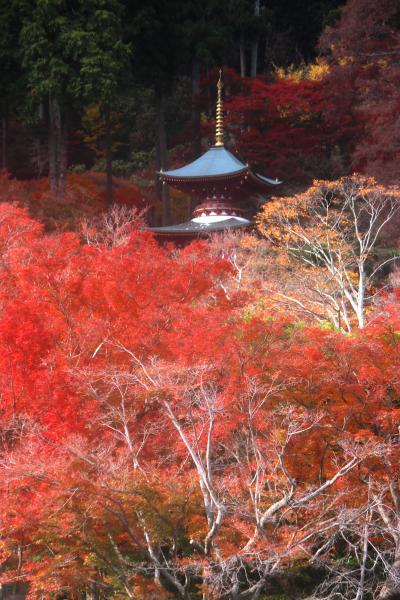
(262, 182)
(268, 180)
(172, 179)
(244, 177)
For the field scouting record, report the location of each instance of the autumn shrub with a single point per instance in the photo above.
(153, 438)
(85, 198)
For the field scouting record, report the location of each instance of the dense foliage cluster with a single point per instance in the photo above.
(218, 421)
(122, 86)
(159, 438)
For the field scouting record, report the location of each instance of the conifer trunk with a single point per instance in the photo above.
(57, 149)
(254, 45)
(108, 150)
(196, 146)
(196, 120)
(254, 59)
(63, 157)
(4, 136)
(242, 53)
(162, 156)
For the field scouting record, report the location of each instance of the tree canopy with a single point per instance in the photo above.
(214, 420)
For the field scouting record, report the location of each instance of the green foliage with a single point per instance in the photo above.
(73, 52)
(10, 72)
(329, 326)
(122, 55)
(45, 29)
(121, 168)
(77, 169)
(96, 46)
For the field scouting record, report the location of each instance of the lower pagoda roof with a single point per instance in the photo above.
(194, 227)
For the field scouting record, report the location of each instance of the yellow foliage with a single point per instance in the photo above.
(318, 70)
(312, 72)
(94, 130)
(346, 60)
(295, 73)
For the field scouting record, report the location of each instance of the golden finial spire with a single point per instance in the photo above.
(219, 121)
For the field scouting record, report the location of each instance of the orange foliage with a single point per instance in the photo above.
(151, 437)
(85, 197)
(329, 242)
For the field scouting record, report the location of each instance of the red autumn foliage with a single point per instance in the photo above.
(291, 129)
(364, 51)
(85, 198)
(153, 437)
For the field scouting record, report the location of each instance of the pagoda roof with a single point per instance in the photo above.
(213, 163)
(216, 163)
(195, 228)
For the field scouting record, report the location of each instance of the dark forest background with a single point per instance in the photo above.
(127, 88)
(217, 420)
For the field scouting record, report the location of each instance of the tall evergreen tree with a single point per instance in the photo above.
(10, 72)
(153, 29)
(168, 48)
(45, 29)
(102, 58)
(71, 52)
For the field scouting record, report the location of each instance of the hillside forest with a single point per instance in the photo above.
(216, 420)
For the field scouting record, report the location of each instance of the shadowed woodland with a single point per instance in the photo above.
(218, 420)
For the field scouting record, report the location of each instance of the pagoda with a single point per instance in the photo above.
(226, 185)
